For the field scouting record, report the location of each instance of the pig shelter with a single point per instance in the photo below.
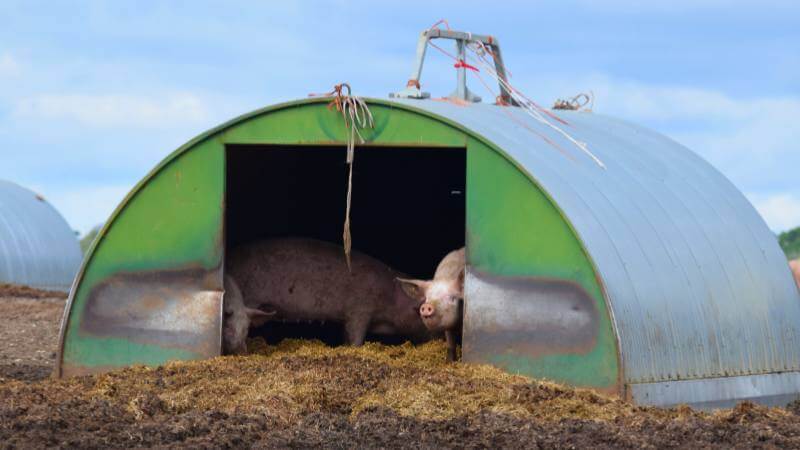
(651, 277)
(37, 246)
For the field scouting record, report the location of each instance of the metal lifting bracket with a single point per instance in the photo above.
(412, 89)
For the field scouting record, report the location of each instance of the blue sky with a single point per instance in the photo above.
(93, 94)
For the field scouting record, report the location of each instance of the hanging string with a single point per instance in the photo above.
(356, 115)
(531, 108)
(522, 123)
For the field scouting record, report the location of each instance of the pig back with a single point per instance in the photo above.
(451, 266)
(306, 279)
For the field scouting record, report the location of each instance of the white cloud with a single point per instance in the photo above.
(662, 102)
(679, 6)
(8, 65)
(780, 211)
(754, 141)
(760, 151)
(87, 206)
(682, 103)
(116, 110)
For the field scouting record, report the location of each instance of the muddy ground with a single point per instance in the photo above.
(305, 394)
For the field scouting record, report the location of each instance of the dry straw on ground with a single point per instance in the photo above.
(297, 378)
(305, 394)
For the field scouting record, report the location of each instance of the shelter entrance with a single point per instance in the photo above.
(408, 207)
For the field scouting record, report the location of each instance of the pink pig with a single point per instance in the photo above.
(443, 298)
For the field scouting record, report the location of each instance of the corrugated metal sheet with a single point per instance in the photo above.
(697, 284)
(37, 246)
(769, 389)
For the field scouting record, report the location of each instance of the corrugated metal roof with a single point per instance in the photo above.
(37, 246)
(696, 282)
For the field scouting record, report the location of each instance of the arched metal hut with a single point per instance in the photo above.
(652, 277)
(37, 246)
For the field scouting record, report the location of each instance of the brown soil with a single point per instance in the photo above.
(19, 291)
(28, 336)
(304, 394)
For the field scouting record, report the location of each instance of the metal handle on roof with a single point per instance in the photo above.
(413, 90)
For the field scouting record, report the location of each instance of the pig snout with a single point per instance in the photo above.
(441, 314)
(427, 310)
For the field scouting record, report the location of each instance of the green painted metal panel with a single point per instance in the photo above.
(170, 228)
(310, 124)
(171, 221)
(514, 230)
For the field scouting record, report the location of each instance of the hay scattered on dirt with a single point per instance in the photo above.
(298, 377)
(302, 377)
(303, 393)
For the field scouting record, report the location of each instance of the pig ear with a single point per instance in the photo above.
(257, 316)
(413, 288)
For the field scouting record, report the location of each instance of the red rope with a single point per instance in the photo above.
(436, 25)
(460, 63)
(445, 52)
(524, 125)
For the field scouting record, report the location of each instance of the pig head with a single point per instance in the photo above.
(238, 318)
(400, 317)
(442, 298)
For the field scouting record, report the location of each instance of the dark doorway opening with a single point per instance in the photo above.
(408, 206)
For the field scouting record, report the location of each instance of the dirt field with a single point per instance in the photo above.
(28, 334)
(304, 394)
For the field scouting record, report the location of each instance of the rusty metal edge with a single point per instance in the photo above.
(621, 387)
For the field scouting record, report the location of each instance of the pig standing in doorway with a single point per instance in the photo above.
(443, 298)
(308, 280)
